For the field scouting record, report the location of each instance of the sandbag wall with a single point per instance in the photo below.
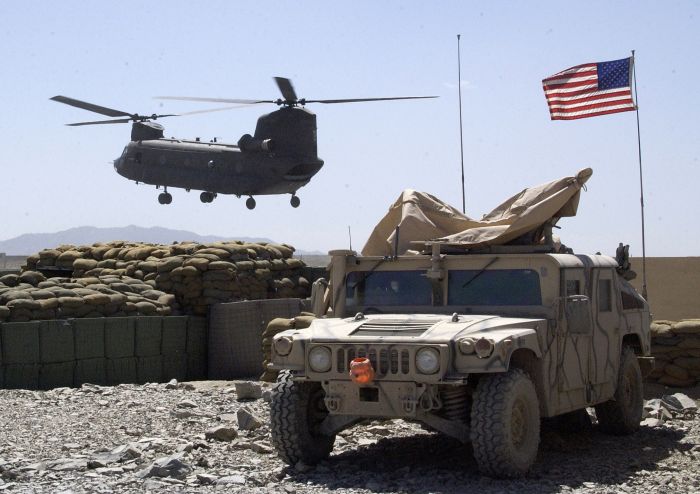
(70, 352)
(676, 347)
(30, 296)
(198, 275)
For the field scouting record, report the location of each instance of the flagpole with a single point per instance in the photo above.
(461, 140)
(641, 183)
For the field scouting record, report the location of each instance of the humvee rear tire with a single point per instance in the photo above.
(622, 414)
(296, 412)
(505, 424)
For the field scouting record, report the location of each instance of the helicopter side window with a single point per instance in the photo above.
(138, 158)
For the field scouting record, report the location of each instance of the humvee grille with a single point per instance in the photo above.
(389, 327)
(385, 360)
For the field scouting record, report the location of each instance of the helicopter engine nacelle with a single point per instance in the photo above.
(146, 131)
(248, 143)
(293, 131)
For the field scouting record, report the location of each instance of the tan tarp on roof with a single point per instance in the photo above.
(423, 217)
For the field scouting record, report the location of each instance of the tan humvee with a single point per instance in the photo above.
(477, 346)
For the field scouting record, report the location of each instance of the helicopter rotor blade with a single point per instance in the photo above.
(122, 120)
(358, 100)
(286, 88)
(211, 110)
(103, 110)
(100, 122)
(216, 100)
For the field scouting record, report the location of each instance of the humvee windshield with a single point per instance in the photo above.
(382, 288)
(494, 287)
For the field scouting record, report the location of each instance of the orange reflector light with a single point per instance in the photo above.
(361, 370)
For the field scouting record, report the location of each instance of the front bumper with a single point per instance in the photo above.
(388, 399)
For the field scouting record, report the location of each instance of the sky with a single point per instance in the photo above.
(122, 54)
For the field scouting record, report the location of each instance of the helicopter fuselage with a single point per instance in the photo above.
(214, 167)
(279, 158)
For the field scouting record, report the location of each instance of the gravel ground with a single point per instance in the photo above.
(123, 438)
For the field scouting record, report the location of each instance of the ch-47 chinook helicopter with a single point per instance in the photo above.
(279, 158)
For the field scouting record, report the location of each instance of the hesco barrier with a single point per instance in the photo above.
(236, 333)
(49, 354)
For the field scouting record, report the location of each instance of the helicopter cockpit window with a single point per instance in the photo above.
(387, 288)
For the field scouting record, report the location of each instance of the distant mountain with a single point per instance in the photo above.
(29, 243)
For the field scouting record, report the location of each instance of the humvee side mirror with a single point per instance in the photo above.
(577, 309)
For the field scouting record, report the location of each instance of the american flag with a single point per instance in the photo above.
(590, 89)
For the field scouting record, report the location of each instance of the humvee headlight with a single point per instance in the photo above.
(320, 359)
(484, 348)
(427, 360)
(466, 346)
(283, 345)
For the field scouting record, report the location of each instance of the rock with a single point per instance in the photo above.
(64, 464)
(651, 422)
(221, 433)
(168, 466)
(172, 384)
(127, 452)
(231, 480)
(110, 471)
(205, 478)
(247, 390)
(679, 402)
(187, 404)
(183, 414)
(260, 448)
(247, 421)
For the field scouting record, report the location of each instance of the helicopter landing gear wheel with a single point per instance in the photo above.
(295, 201)
(250, 203)
(207, 197)
(165, 198)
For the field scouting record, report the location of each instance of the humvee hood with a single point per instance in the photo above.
(425, 328)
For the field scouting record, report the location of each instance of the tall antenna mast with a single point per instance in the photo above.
(461, 140)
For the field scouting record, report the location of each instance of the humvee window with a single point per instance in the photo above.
(381, 288)
(573, 287)
(496, 287)
(631, 300)
(604, 296)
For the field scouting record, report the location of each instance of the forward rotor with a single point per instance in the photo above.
(289, 97)
(111, 112)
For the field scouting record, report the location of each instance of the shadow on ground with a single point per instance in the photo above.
(435, 463)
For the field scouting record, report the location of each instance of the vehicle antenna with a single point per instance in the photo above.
(350, 237)
(461, 140)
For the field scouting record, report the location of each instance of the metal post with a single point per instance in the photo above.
(461, 140)
(641, 184)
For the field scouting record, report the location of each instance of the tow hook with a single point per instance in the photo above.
(332, 403)
(408, 403)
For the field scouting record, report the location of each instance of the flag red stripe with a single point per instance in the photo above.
(571, 70)
(568, 85)
(585, 115)
(549, 81)
(591, 97)
(593, 106)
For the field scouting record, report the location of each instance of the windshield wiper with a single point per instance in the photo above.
(367, 274)
(481, 271)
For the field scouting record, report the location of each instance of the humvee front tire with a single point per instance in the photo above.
(622, 414)
(505, 424)
(296, 412)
